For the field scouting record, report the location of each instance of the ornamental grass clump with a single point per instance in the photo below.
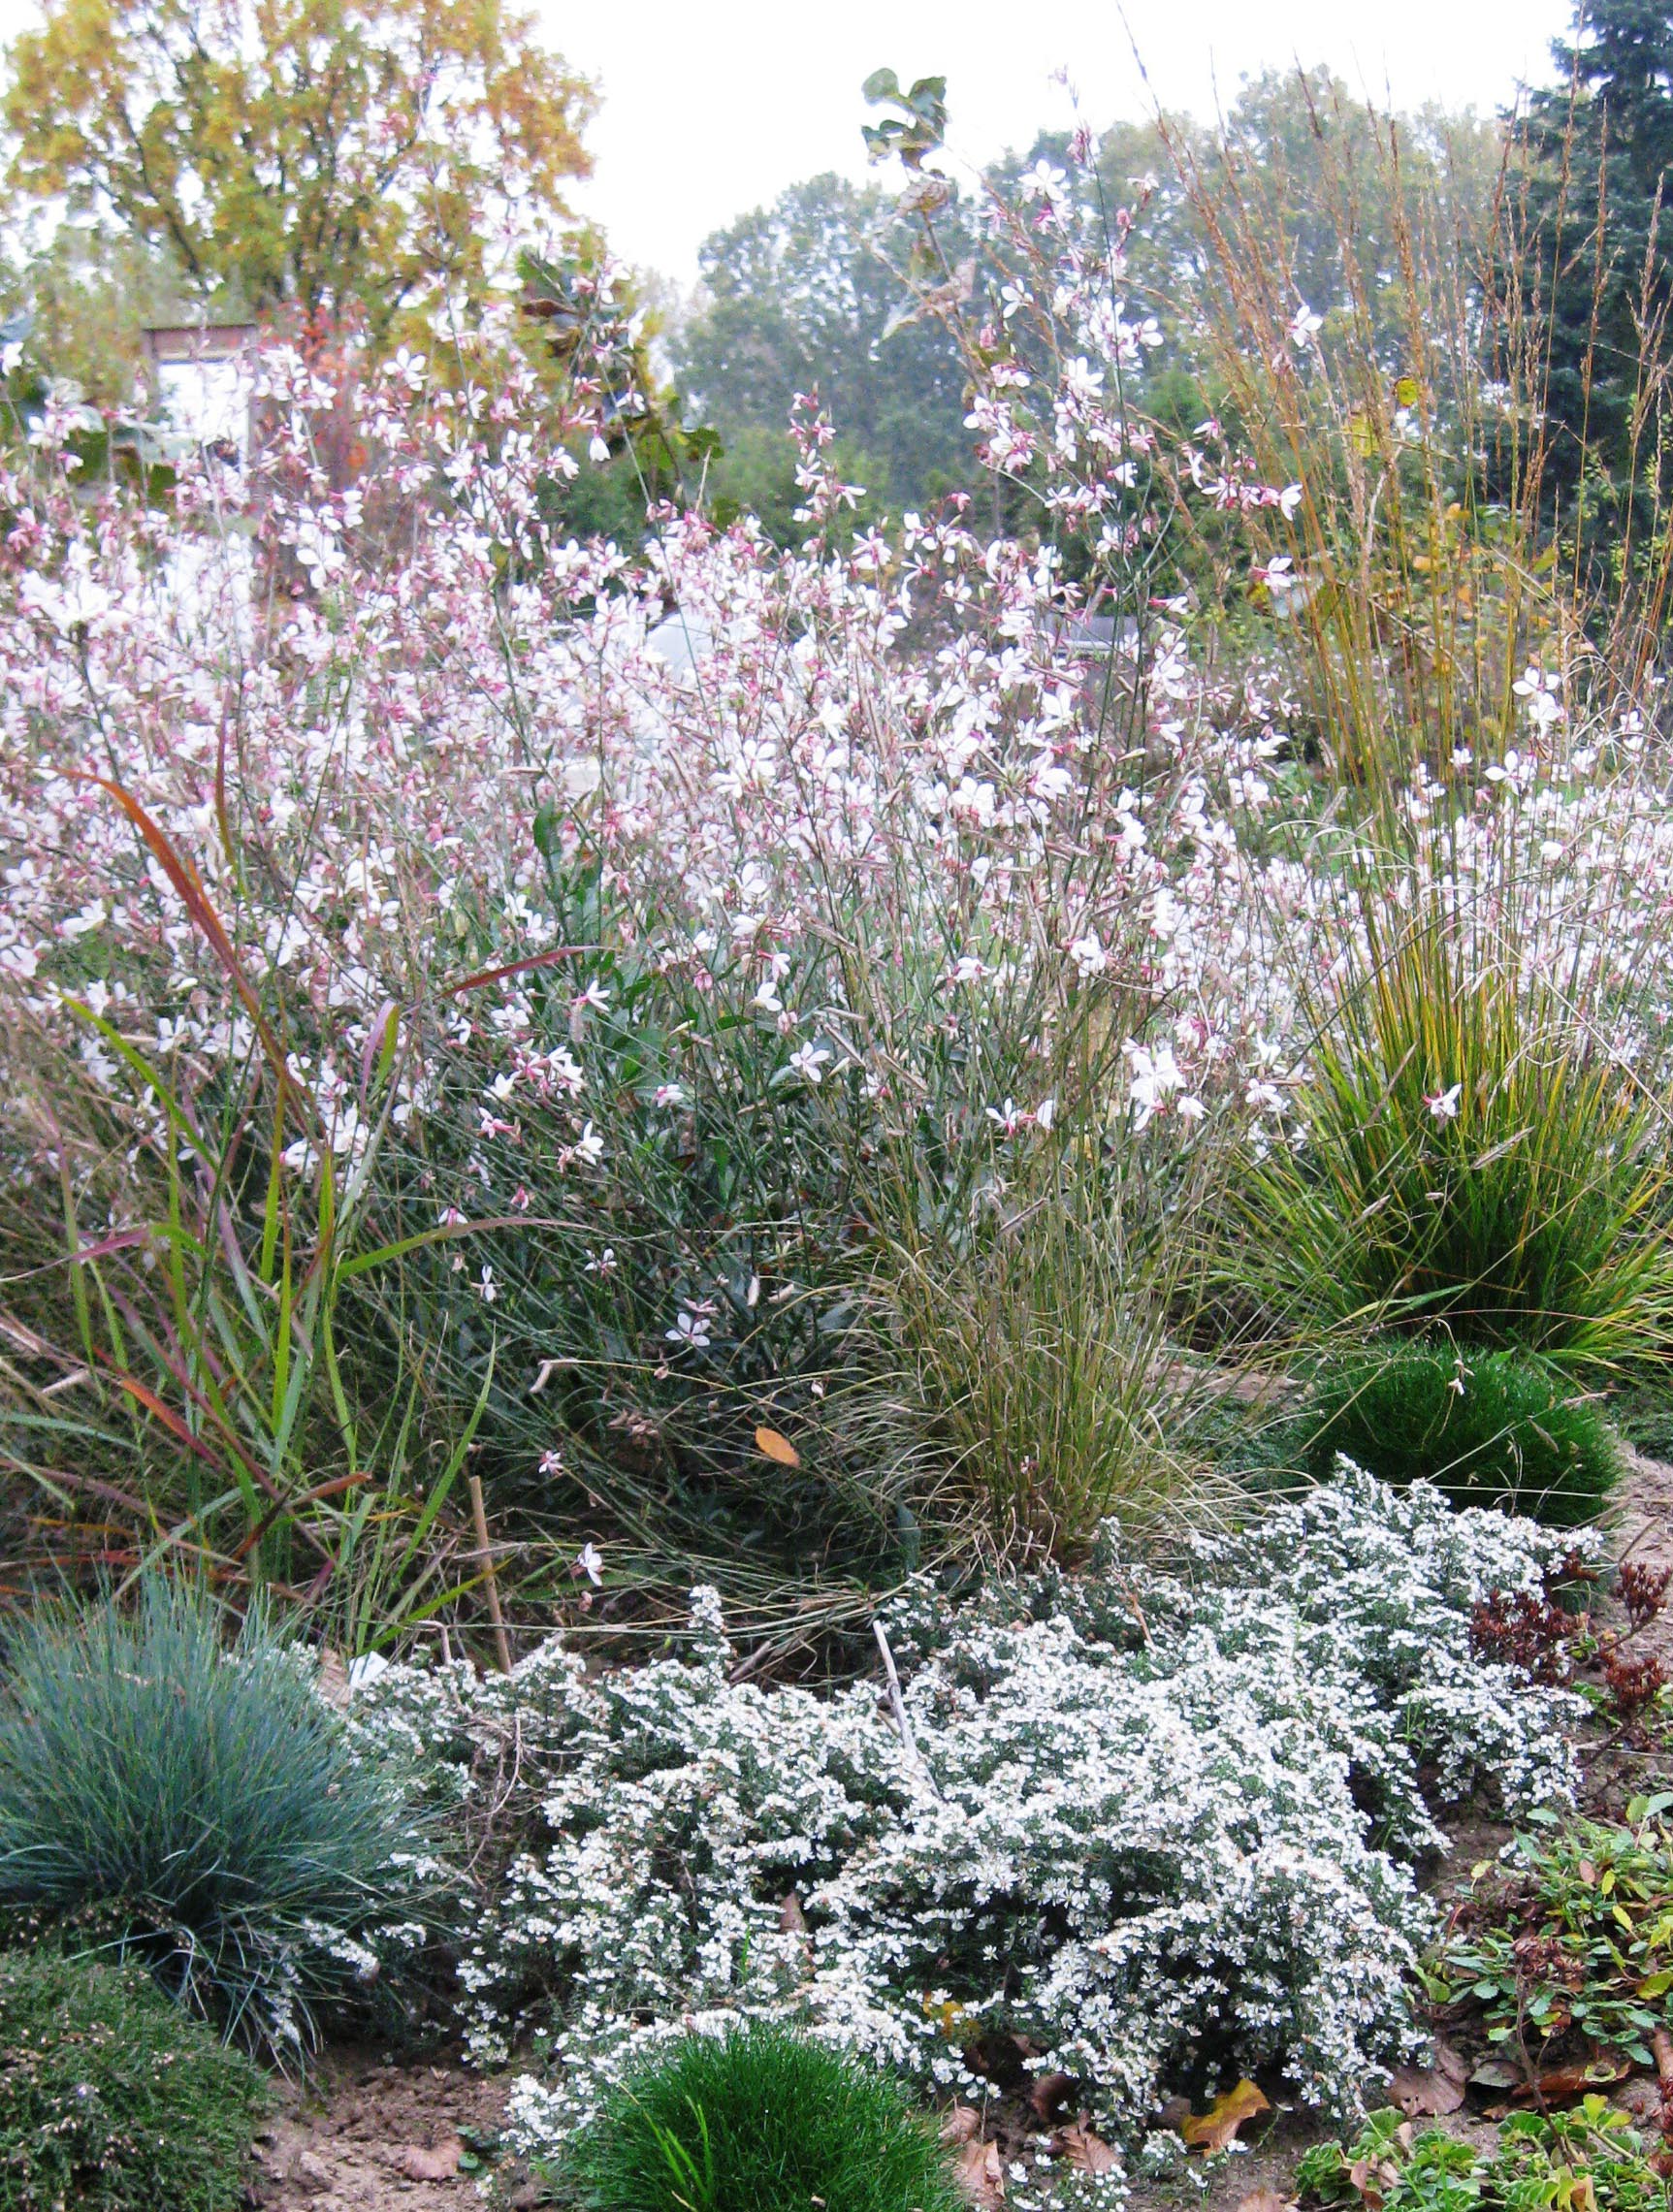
(110, 2100)
(200, 1804)
(1471, 1155)
(1493, 1429)
(759, 2120)
(1038, 1348)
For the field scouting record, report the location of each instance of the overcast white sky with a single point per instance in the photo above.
(710, 109)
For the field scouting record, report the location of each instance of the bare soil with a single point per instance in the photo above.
(1643, 1531)
(368, 2135)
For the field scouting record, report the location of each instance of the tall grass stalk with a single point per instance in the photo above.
(1426, 569)
(187, 1370)
(1043, 1362)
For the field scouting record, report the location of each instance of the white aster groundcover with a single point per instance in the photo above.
(1160, 1826)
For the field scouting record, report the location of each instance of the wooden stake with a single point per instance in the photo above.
(484, 1551)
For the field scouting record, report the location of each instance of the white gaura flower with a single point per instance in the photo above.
(1443, 1105)
(588, 1146)
(75, 601)
(1153, 1079)
(1304, 326)
(808, 1061)
(1540, 695)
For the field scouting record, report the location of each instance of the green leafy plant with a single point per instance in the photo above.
(1590, 2154)
(758, 2120)
(1544, 2159)
(110, 2100)
(1564, 1947)
(1497, 1428)
(202, 1804)
(954, 1311)
(1422, 2172)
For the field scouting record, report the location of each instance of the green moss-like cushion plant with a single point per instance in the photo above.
(1493, 1429)
(197, 1800)
(759, 2120)
(111, 2099)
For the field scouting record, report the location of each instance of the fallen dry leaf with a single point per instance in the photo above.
(1086, 2151)
(1050, 2091)
(1214, 2130)
(981, 2176)
(1264, 2200)
(961, 2124)
(1563, 2084)
(791, 1918)
(1494, 2073)
(438, 2164)
(1425, 2093)
(1372, 2179)
(773, 1446)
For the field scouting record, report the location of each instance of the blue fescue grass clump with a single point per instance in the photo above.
(759, 2120)
(1489, 1428)
(110, 2100)
(199, 1801)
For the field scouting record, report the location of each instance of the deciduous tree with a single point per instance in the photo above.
(805, 294)
(302, 152)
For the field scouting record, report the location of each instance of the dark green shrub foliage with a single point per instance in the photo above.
(760, 2121)
(110, 2100)
(1488, 1429)
(199, 1801)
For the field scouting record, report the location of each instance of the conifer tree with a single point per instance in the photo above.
(1597, 264)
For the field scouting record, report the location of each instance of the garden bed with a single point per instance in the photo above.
(370, 2131)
